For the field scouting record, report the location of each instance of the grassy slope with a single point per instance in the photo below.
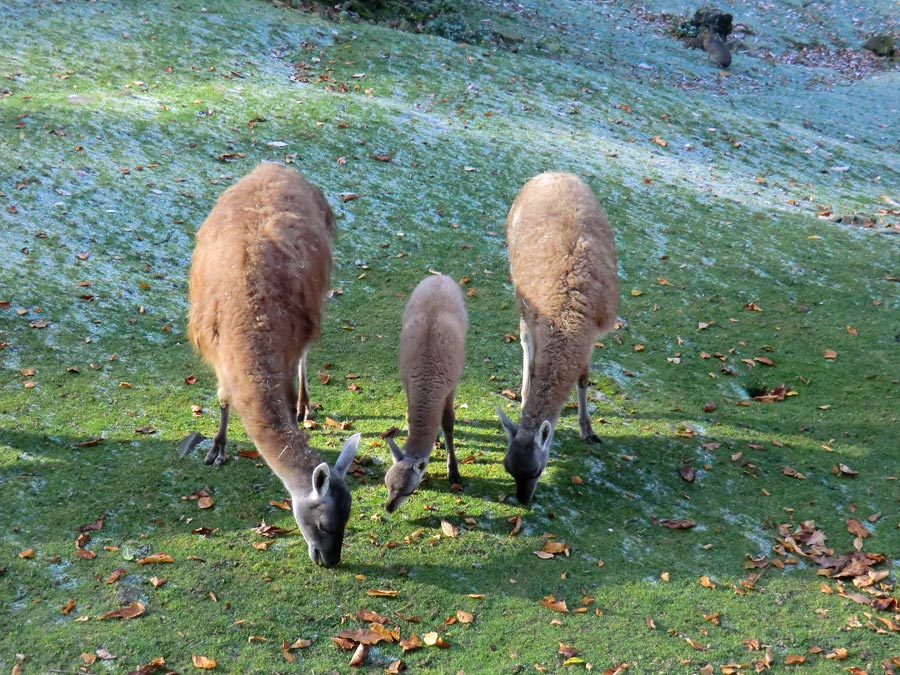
(112, 133)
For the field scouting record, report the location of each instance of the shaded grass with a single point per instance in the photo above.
(121, 159)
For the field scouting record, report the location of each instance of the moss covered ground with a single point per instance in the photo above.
(756, 219)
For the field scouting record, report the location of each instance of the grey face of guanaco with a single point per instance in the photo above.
(526, 455)
(323, 511)
(403, 477)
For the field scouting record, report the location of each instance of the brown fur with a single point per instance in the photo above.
(432, 358)
(563, 264)
(259, 278)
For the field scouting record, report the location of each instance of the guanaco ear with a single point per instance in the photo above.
(396, 452)
(320, 483)
(507, 424)
(348, 452)
(545, 439)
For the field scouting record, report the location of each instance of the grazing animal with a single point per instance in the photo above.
(432, 357)
(259, 278)
(563, 264)
(717, 50)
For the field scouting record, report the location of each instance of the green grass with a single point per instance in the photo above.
(120, 125)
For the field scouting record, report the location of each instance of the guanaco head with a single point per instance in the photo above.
(526, 456)
(322, 511)
(403, 477)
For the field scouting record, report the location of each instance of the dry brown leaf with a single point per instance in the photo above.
(448, 528)
(202, 662)
(839, 654)
(706, 583)
(411, 644)
(855, 527)
(555, 547)
(794, 659)
(68, 607)
(380, 593)
(132, 611)
(343, 426)
(359, 656)
(517, 525)
(678, 523)
(156, 558)
(434, 639)
(551, 602)
(115, 575)
(464, 617)
(370, 616)
(147, 668)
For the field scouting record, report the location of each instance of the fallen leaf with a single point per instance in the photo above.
(68, 607)
(96, 525)
(371, 616)
(556, 547)
(395, 667)
(148, 668)
(516, 523)
(203, 662)
(157, 581)
(105, 654)
(205, 503)
(343, 426)
(551, 602)
(844, 470)
(448, 528)
(379, 593)
(411, 644)
(706, 583)
(344, 643)
(839, 654)
(855, 527)
(115, 575)
(156, 558)
(678, 524)
(359, 656)
(204, 530)
(270, 530)
(829, 354)
(793, 473)
(434, 639)
(794, 659)
(132, 611)
(28, 553)
(464, 617)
